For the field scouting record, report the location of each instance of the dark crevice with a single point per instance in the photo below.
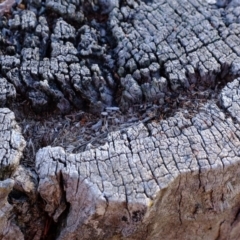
(236, 218)
(34, 206)
(219, 231)
(56, 227)
(179, 209)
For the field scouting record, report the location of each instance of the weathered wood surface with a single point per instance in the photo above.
(11, 147)
(11, 143)
(136, 50)
(176, 178)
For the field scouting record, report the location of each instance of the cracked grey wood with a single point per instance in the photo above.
(144, 51)
(11, 143)
(7, 91)
(229, 98)
(11, 148)
(174, 179)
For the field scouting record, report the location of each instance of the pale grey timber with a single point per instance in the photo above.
(11, 148)
(172, 179)
(176, 178)
(81, 54)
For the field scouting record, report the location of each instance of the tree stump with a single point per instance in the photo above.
(160, 80)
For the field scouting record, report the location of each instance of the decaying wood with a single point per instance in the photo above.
(173, 173)
(177, 178)
(11, 147)
(11, 143)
